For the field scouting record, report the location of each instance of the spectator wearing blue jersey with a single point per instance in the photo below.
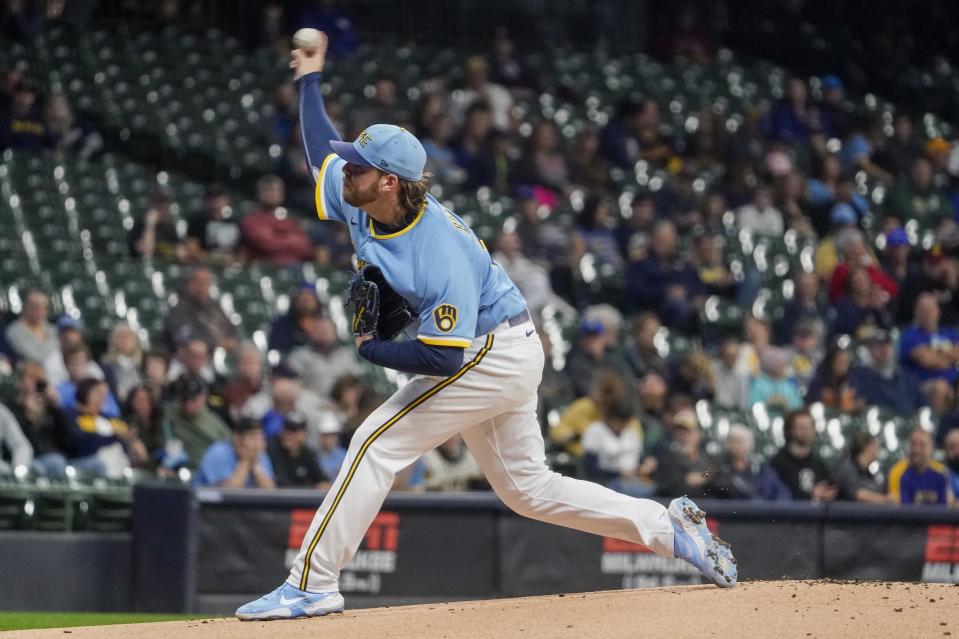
(239, 462)
(919, 479)
(930, 351)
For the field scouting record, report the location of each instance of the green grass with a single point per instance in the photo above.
(29, 620)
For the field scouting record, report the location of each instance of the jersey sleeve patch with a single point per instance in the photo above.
(444, 317)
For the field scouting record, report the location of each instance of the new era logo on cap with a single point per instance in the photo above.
(387, 147)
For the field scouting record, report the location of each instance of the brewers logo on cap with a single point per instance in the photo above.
(444, 316)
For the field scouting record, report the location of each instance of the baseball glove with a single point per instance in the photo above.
(377, 308)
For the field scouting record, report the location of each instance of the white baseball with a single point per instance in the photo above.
(306, 39)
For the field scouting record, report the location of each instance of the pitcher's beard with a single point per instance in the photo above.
(357, 198)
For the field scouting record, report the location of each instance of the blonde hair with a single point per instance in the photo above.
(412, 194)
(112, 353)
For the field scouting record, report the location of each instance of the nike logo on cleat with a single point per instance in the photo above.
(353, 221)
(286, 602)
(530, 332)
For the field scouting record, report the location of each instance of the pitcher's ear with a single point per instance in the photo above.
(391, 183)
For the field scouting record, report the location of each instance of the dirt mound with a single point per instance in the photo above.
(758, 609)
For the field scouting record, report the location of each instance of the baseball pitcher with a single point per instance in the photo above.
(476, 363)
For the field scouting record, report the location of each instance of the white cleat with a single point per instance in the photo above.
(289, 602)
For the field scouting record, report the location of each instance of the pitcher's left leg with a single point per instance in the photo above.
(510, 450)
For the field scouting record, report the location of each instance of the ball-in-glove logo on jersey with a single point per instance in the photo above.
(444, 316)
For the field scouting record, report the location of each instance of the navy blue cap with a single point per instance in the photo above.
(591, 327)
(830, 82)
(897, 237)
(386, 147)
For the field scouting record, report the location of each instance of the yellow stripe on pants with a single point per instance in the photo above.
(373, 437)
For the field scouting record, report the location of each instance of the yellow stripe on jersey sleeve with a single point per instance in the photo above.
(433, 340)
(320, 188)
(895, 478)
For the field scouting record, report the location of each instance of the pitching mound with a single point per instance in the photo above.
(752, 609)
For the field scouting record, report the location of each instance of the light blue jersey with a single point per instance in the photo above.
(436, 263)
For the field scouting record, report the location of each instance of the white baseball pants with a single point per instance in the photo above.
(492, 402)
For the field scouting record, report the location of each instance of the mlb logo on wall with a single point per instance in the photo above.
(942, 555)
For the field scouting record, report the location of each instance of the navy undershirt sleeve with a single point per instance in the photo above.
(315, 126)
(413, 357)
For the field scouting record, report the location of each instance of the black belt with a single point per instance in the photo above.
(520, 318)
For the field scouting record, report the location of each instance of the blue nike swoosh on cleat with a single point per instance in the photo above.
(353, 222)
(530, 332)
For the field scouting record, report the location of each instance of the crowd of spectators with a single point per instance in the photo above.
(32, 121)
(868, 321)
(169, 410)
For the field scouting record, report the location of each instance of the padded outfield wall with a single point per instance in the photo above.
(209, 550)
